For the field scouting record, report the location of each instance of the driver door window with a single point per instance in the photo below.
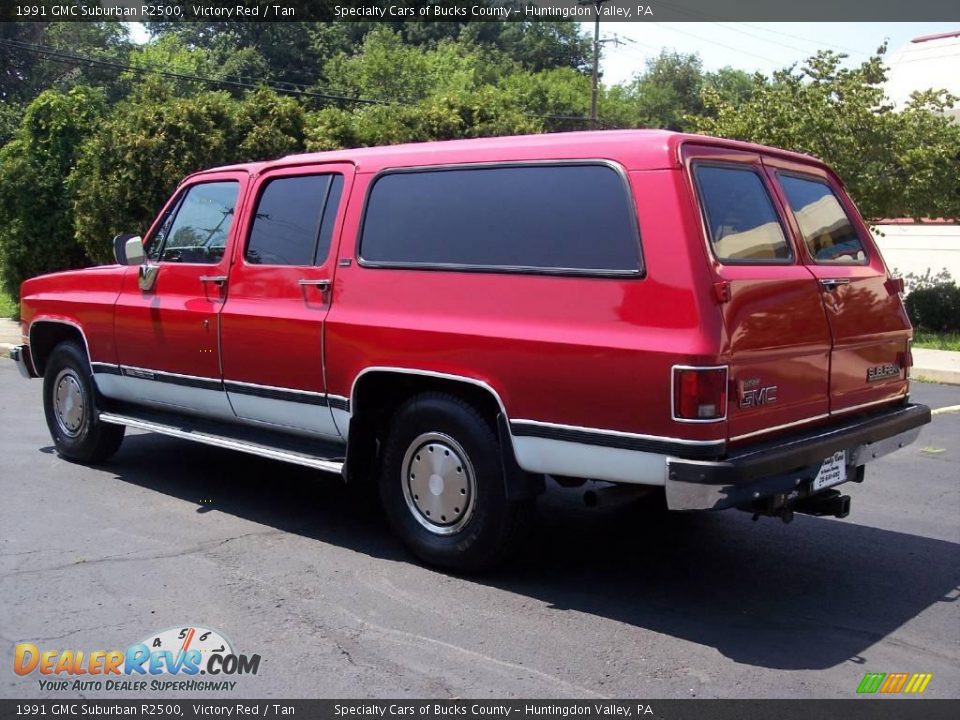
(196, 229)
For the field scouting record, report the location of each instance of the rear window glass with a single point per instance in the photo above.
(293, 222)
(740, 216)
(575, 218)
(827, 230)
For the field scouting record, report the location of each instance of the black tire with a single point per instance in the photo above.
(78, 435)
(489, 524)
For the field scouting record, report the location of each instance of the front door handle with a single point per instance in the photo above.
(324, 285)
(215, 279)
(834, 283)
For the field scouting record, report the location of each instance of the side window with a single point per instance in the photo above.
(827, 230)
(197, 228)
(293, 223)
(740, 216)
(576, 218)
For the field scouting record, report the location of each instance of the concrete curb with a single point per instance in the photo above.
(927, 375)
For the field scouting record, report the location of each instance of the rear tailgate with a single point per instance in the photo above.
(868, 324)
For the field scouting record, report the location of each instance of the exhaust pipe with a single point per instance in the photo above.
(614, 494)
(826, 504)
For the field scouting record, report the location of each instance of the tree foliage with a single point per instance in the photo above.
(135, 159)
(669, 93)
(449, 91)
(36, 216)
(897, 163)
(26, 69)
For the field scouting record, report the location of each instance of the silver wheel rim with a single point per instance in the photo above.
(69, 404)
(439, 483)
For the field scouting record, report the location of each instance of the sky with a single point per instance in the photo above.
(762, 47)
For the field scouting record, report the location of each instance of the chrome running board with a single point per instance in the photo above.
(319, 455)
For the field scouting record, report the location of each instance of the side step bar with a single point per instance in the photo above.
(292, 450)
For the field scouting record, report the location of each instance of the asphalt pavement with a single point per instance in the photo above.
(625, 601)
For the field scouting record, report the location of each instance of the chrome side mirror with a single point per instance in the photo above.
(134, 251)
(128, 249)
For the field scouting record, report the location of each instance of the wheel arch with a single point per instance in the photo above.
(377, 392)
(46, 333)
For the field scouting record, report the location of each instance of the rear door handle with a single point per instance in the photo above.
(834, 283)
(322, 284)
(215, 279)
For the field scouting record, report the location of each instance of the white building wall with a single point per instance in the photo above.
(918, 248)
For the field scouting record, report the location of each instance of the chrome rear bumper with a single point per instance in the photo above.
(780, 466)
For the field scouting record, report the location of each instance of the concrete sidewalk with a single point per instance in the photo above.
(9, 336)
(940, 366)
(928, 365)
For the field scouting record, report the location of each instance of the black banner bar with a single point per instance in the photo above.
(853, 709)
(475, 10)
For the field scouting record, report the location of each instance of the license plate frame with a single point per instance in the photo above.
(833, 471)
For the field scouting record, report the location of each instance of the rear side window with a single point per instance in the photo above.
(293, 223)
(827, 230)
(560, 218)
(740, 216)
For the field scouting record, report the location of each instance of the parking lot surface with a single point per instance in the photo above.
(624, 601)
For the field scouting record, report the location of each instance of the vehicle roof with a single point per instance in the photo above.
(634, 149)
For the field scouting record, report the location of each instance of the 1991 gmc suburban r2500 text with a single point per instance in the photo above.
(462, 319)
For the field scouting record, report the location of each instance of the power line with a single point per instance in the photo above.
(719, 44)
(689, 12)
(806, 39)
(779, 43)
(63, 56)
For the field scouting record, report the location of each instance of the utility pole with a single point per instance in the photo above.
(597, 4)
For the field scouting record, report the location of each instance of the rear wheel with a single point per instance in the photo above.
(69, 402)
(442, 484)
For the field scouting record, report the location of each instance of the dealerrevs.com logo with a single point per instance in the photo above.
(170, 660)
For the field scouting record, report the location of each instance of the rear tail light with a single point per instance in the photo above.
(894, 285)
(905, 359)
(699, 394)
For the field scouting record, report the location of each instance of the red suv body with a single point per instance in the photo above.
(637, 307)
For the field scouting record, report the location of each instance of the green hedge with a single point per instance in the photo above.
(935, 308)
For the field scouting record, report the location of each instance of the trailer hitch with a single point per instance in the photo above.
(829, 503)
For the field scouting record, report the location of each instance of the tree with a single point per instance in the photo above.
(36, 219)
(669, 93)
(151, 140)
(26, 70)
(256, 51)
(450, 91)
(895, 163)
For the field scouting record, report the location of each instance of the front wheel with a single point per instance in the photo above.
(442, 484)
(69, 404)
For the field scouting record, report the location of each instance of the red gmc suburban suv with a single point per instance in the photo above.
(459, 320)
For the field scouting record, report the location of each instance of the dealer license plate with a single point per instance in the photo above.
(832, 472)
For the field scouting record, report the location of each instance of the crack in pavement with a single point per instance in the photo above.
(131, 556)
(73, 632)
